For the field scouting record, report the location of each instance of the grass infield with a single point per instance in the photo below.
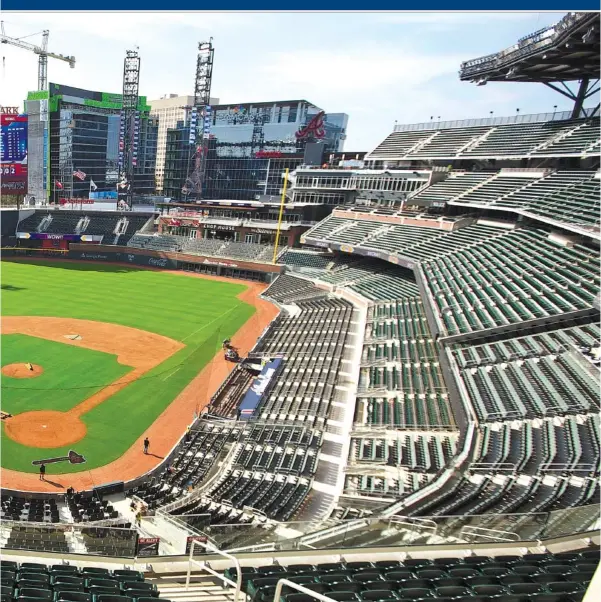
(198, 312)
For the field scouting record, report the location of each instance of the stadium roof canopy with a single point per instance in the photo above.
(566, 51)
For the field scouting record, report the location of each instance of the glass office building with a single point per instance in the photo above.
(79, 131)
(249, 145)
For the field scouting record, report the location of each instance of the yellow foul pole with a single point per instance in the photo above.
(277, 234)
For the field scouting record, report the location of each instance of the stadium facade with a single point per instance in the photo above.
(244, 138)
(75, 130)
(256, 221)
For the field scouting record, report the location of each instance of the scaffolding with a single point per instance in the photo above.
(200, 122)
(130, 127)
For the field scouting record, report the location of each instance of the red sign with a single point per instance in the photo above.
(314, 129)
(13, 169)
(268, 155)
(76, 201)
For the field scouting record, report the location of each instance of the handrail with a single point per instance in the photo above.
(413, 521)
(203, 566)
(484, 531)
(300, 588)
(63, 526)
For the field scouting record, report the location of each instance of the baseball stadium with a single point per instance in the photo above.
(389, 392)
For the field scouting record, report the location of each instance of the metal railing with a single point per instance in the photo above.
(490, 121)
(391, 530)
(303, 590)
(203, 566)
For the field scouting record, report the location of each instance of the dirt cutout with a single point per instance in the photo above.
(171, 424)
(22, 370)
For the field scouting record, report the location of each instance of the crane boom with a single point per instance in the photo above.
(41, 51)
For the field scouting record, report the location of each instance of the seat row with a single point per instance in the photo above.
(560, 576)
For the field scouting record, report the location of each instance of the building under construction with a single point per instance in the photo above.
(246, 142)
(75, 131)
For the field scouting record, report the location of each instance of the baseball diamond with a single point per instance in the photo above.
(121, 353)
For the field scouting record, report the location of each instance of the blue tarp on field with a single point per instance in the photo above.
(259, 387)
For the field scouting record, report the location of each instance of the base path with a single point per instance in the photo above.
(169, 427)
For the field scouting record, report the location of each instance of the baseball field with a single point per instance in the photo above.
(95, 357)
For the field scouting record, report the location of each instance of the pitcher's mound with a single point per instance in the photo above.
(22, 370)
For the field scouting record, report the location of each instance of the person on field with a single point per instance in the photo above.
(42, 472)
(146, 445)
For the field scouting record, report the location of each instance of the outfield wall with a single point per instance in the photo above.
(216, 266)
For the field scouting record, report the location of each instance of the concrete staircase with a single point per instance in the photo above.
(204, 588)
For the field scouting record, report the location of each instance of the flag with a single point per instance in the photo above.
(80, 175)
(93, 186)
(58, 185)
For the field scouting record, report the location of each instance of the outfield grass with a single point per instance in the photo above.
(56, 388)
(198, 312)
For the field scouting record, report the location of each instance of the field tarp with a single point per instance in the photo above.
(258, 389)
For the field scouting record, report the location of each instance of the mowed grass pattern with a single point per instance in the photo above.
(198, 312)
(56, 388)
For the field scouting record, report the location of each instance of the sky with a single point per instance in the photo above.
(377, 67)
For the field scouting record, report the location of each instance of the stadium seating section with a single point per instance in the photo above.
(574, 137)
(203, 246)
(116, 228)
(33, 581)
(570, 197)
(270, 467)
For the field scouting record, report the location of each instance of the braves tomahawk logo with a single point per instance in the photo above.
(72, 458)
(314, 129)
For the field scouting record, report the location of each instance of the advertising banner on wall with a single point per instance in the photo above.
(13, 148)
(97, 238)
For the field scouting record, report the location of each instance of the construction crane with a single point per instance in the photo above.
(41, 51)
